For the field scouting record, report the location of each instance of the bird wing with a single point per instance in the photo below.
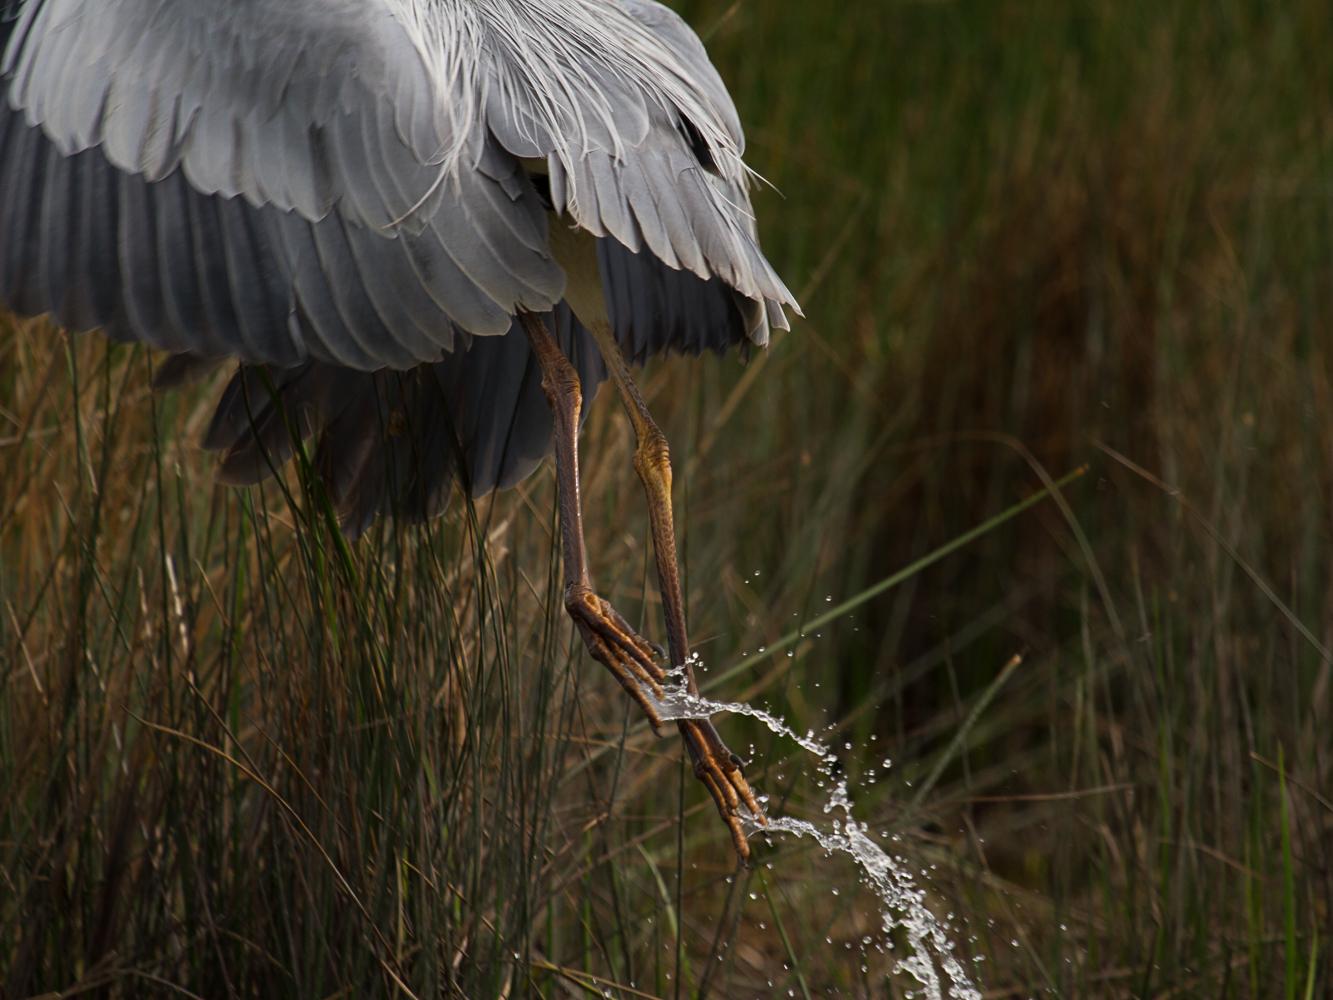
(673, 32)
(642, 146)
(394, 441)
(224, 179)
(655, 309)
(259, 180)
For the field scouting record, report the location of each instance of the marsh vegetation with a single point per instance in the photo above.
(239, 756)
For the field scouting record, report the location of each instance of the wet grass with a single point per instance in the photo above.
(240, 757)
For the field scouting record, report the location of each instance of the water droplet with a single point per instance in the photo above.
(930, 962)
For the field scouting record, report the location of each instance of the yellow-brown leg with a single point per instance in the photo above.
(715, 765)
(607, 635)
(610, 640)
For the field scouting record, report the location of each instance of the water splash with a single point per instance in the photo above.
(904, 903)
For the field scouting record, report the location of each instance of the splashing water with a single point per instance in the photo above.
(903, 901)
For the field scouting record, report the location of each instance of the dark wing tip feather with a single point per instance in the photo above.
(394, 442)
(657, 309)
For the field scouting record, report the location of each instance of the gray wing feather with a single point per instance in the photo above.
(262, 169)
(637, 169)
(236, 93)
(182, 271)
(663, 200)
(529, 121)
(673, 31)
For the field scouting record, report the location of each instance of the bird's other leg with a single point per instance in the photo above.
(609, 638)
(715, 765)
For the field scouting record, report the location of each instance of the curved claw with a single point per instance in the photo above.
(616, 646)
(721, 773)
(629, 657)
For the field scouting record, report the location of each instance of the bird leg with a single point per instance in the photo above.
(715, 765)
(610, 640)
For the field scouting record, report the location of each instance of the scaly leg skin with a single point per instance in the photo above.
(608, 637)
(715, 765)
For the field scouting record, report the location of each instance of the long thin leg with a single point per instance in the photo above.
(715, 765)
(609, 639)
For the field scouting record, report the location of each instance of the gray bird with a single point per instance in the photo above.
(408, 221)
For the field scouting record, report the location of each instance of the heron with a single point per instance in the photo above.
(423, 231)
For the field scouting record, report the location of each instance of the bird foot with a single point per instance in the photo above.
(634, 662)
(721, 772)
(631, 659)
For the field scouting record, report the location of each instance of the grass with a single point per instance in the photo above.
(240, 757)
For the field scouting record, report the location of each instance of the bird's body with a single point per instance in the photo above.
(404, 218)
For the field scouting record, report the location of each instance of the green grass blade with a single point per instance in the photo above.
(894, 579)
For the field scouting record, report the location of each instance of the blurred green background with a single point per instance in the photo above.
(1030, 238)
